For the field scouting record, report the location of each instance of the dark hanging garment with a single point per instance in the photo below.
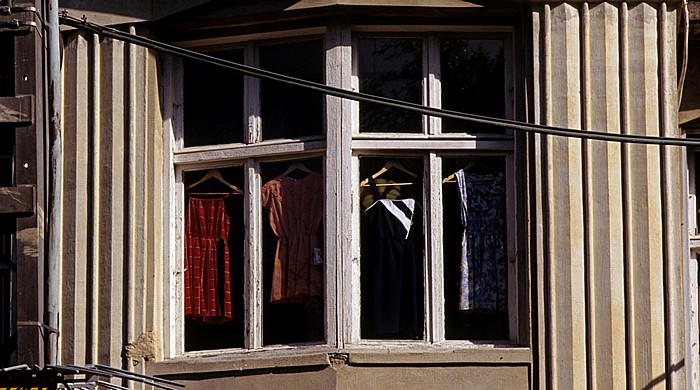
(393, 268)
(207, 278)
(484, 270)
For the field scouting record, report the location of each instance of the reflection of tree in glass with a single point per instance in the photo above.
(472, 80)
(390, 68)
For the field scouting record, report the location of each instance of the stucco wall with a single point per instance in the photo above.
(611, 248)
(349, 375)
(113, 201)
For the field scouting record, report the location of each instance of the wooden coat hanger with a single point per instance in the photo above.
(214, 174)
(470, 165)
(389, 165)
(296, 166)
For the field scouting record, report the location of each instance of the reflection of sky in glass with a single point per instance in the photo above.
(472, 81)
(390, 68)
(491, 46)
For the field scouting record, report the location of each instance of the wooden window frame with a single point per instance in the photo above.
(432, 145)
(340, 149)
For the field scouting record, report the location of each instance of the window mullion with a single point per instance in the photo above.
(434, 308)
(252, 99)
(177, 274)
(252, 284)
(338, 199)
(175, 95)
(353, 271)
(354, 86)
(433, 87)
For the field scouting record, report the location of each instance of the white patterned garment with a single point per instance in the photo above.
(483, 284)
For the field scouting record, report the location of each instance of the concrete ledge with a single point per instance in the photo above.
(455, 356)
(228, 361)
(238, 361)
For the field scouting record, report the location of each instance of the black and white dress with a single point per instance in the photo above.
(393, 267)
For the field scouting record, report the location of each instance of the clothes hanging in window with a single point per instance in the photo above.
(384, 187)
(392, 268)
(207, 278)
(296, 212)
(484, 269)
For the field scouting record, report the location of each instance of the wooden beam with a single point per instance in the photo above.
(17, 110)
(18, 200)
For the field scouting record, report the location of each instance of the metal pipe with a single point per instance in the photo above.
(56, 178)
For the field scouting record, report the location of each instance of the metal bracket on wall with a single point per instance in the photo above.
(15, 25)
(7, 10)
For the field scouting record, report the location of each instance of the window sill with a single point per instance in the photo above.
(286, 357)
(451, 353)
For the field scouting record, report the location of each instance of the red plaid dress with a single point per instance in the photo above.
(207, 279)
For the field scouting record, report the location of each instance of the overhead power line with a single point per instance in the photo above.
(109, 32)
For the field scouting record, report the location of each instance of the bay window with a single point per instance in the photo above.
(432, 258)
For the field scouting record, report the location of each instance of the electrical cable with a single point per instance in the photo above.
(109, 32)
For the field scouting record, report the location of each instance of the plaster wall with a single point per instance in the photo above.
(367, 377)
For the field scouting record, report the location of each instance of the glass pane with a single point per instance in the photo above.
(214, 248)
(213, 101)
(390, 68)
(289, 111)
(474, 233)
(391, 264)
(472, 81)
(293, 258)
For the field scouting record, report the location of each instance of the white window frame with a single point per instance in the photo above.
(340, 147)
(432, 145)
(250, 155)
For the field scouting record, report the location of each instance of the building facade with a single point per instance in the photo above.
(227, 228)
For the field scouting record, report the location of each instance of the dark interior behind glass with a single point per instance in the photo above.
(213, 101)
(289, 111)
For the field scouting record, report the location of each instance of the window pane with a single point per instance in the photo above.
(214, 247)
(290, 111)
(390, 68)
(213, 101)
(472, 81)
(391, 265)
(293, 258)
(475, 257)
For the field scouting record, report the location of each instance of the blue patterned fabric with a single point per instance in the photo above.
(484, 271)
